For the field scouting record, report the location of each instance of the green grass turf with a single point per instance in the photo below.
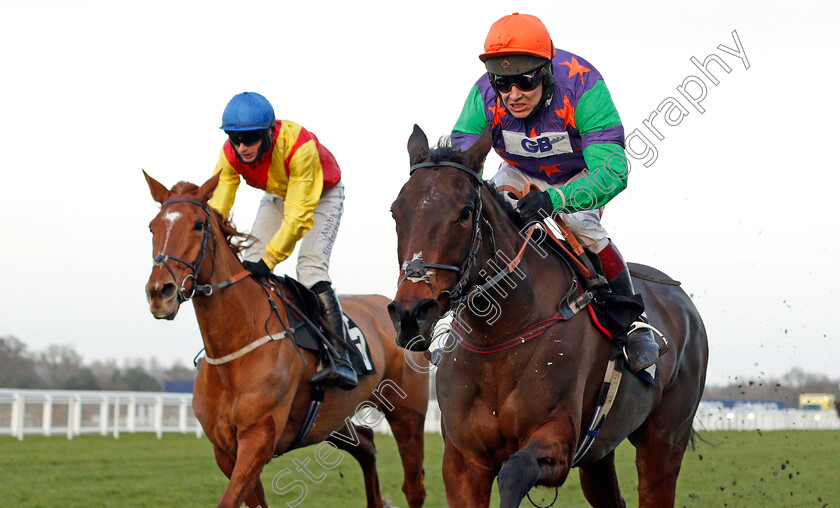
(779, 469)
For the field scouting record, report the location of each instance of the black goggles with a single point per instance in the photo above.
(525, 82)
(246, 138)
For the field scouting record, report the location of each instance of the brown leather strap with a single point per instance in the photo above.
(569, 237)
(580, 266)
(515, 261)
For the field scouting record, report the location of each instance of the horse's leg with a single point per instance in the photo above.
(365, 453)
(466, 484)
(600, 484)
(658, 462)
(256, 496)
(545, 458)
(407, 426)
(660, 446)
(519, 473)
(224, 461)
(255, 446)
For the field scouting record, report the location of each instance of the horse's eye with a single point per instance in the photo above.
(199, 226)
(465, 215)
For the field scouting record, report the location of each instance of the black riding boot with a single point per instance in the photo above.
(338, 370)
(641, 350)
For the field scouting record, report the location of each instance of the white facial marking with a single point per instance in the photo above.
(170, 218)
(427, 199)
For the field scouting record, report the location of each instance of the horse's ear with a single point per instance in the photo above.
(474, 158)
(206, 190)
(418, 146)
(159, 192)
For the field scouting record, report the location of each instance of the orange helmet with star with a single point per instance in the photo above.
(521, 37)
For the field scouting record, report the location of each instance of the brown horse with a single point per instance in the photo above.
(253, 407)
(518, 409)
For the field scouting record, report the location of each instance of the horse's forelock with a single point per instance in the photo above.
(446, 153)
(184, 188)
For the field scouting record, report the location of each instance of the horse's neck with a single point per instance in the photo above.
(529, 294)
(233, 316)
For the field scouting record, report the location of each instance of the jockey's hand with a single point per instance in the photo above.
(257, 269)
(535, 205)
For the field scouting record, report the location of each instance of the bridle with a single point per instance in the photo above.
(416, 269)
(208, 289)
(195, 267)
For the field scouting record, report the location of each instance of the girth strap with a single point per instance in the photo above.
(612, 378)
(311, 414)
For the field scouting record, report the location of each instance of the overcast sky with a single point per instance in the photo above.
(738, 205)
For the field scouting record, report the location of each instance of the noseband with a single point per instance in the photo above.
(161, 259)
(416, 269)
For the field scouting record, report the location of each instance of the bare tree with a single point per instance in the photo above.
(17, 367)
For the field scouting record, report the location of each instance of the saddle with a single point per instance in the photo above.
(305, 319)
(613, 314)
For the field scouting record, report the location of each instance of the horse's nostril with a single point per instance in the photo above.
(427, 311)
(168, 291)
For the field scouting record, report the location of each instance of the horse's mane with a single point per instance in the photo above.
(235, 239)
(445, 152)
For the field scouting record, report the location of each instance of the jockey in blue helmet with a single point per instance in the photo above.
(303, 201)
(249, 112)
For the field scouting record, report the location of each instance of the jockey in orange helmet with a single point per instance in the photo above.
(304, 199)
(554, 124)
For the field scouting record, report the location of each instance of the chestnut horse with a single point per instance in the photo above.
(518, 409)
(252, 407)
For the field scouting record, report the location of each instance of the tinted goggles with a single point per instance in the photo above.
(525, 82)
(246, 138)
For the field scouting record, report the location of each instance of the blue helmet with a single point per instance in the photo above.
(247, 111)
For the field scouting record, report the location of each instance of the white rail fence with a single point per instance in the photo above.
(72, 413)
(758, 416)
